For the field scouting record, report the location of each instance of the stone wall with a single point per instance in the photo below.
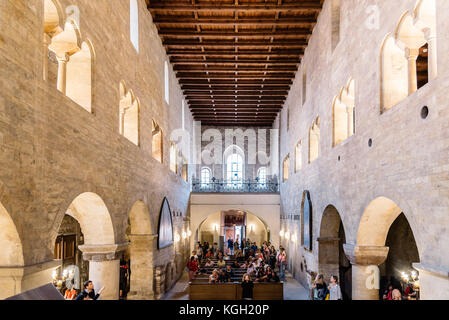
(407, 161)
(52, 149)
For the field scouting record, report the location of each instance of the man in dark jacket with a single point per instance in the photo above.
(89, 292)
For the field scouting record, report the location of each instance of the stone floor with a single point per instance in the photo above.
(293, 290)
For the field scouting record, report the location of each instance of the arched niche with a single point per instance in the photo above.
(79, 76)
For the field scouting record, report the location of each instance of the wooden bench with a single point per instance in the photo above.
(233, 291)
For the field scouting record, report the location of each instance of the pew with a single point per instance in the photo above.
(233, 291)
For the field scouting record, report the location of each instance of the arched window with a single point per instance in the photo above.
(205, 177)
(262, 175)
(298, 156)
(173, 157)
(285, 168)
(157, 146)
(314, 140)
(234, 168)
(134, 24)
(79, 76)
(166, 83)
(343, 113)
(129, 114)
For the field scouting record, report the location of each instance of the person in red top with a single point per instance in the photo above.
(192, 265)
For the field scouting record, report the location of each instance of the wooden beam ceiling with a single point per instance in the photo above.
(235, 59)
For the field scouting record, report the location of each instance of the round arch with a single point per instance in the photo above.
(139, 219)
(94, 218)
(331, 257)
(230, 150)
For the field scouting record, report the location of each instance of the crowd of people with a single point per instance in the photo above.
(257, 263)
(393, 291)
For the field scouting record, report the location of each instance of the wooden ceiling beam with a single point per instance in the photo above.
(227, 43)
(311, 6)
(302, 21)
(195, 53)
(296, 33)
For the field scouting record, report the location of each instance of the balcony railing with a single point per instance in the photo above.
(253, 186)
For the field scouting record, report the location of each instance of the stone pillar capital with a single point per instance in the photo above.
(366, 255)
(411, 53)
(328, 239)
(102, 252)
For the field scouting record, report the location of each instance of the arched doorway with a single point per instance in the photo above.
(11, 254)
(89, 213)
(140, 252)
(386, 251)
(331, 257)
(220, 226)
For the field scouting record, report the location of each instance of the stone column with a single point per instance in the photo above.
(142, 269)
(15, 280)
(104, 267)
(328, 256)
(432, 54)
(433, 282)
(62, 72)
(412, 56)
(365, 262)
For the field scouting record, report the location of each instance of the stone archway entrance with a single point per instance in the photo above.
(383, 233)
(99, 248)
(331, 257)
(216, 229)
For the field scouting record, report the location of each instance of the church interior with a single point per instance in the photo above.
(297, 145)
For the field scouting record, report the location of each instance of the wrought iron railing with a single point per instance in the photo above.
(216, 185)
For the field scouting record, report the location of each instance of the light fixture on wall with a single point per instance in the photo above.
(287, 235)
(184, 235)
(215, 227)
(189, 233)
(252, 228)
(281, 233)
(293, 238)
(177, 237)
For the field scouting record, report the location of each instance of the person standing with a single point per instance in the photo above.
(282, 262)
(192, 265)
(334, 289)
(231, 246)
(319, 288)
(89, 292)
(247, 287)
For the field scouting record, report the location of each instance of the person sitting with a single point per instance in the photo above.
(226, 257)
(261, 276)
(209, 254)
(245, 265)
(229, 272)
(254, 247)
(235, 264)
(213, 278)
(251, 269)
(70, 294)
(209, 263)
(221, 263)
(272, 276)
(223, 276)
(89, 292)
